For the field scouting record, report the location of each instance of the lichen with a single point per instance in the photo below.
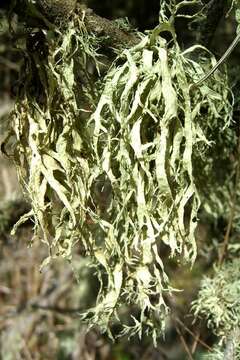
(114, 165)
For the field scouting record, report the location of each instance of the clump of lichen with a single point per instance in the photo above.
(218, 299)
(114, 165)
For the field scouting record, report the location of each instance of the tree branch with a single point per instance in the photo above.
(115, 37)
(214, 11)
(49, 13)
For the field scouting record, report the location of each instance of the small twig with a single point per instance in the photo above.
(220, 61)
(9, 64)
(56, 309)
(223, 253)
(193, 335)
(186, 348)
(195, 344)
(148, 354)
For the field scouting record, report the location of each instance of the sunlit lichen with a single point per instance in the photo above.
(115, 166)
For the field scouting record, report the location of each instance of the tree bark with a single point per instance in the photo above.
(114, 36)
(214, 11)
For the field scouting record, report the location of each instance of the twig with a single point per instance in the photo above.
(195, 344)
(148, 354)
(184, 343)
(55, 308)
(220, 61)
(9, 64)
(197, 338)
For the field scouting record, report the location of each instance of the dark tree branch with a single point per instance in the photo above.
(56, 10)
(50, 13)
(214, 11)
(115, 37)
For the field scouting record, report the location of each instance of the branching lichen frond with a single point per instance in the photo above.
(124, 181)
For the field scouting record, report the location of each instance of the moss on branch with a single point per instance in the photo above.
(115, 37)
(49, 13)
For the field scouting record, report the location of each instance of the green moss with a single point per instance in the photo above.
(57, 10)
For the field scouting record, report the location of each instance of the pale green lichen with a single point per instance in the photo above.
(121, 181)
(218, 299)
